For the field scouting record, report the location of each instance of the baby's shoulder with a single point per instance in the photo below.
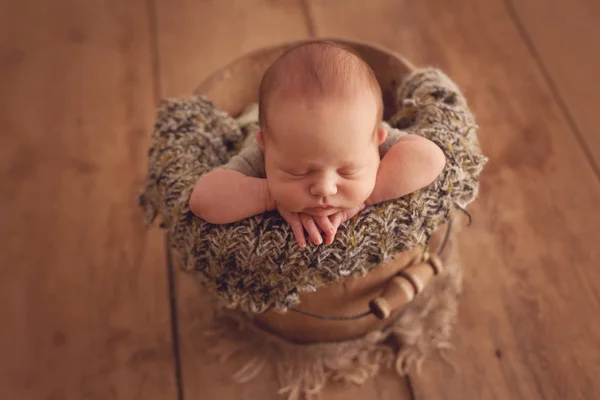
(393, 136)
(250, 160)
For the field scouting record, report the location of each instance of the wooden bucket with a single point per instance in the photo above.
(235, 86)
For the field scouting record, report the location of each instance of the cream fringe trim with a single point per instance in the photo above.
(303, 370)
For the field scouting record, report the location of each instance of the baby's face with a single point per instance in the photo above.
(323, 156)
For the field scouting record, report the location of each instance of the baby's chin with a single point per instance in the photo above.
(320, 212)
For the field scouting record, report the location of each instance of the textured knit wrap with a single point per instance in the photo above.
(255, 264)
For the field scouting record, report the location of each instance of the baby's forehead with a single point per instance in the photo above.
(300, 140)
(314, 72)
(346, 118)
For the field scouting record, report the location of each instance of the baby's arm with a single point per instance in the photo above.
(411, 164)
(223, 196)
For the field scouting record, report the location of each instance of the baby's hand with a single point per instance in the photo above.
(343, 216)
(317, 225)
(314, 227)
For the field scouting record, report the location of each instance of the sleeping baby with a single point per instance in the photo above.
(322, 152)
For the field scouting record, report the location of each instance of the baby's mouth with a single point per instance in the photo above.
(322, 207)
(321, 210)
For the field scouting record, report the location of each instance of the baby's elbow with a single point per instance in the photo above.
(203, 207)
(429, 152)
(197, 205)
(439, 160)
(436, 162)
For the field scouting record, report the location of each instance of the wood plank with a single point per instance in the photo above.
(565, 36)
(203, 375)
(83, 293)
(525, 330)
(194, 40)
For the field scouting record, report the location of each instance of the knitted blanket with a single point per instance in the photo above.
(255, 264)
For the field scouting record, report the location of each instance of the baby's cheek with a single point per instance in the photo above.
(363, 189)
(288, 194)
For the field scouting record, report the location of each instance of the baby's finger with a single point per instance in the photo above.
(298, 230)
(325, 225)
(336, 220)
(351, 213)
(327, 228)
(311, 228)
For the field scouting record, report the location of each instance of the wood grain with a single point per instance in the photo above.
(525, 328)
(83, 293)
(564, 34)
(204, 376)
(196, 38)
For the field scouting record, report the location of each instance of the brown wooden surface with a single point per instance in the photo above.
(564, 35)
(198, 37)
(526, 329)
(83, 297)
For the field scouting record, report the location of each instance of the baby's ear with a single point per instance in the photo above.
(259, 139)
(381, 135)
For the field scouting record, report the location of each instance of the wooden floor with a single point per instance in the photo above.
(88, 306)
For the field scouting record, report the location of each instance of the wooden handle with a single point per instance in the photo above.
(403, 287)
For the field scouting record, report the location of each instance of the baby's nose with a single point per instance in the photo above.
(324, 188)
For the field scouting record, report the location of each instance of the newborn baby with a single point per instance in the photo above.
(322, 153)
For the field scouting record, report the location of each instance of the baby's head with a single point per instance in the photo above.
(320, 115)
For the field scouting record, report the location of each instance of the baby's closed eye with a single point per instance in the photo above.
(302, 173)
(296, 173)
(349, 172)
